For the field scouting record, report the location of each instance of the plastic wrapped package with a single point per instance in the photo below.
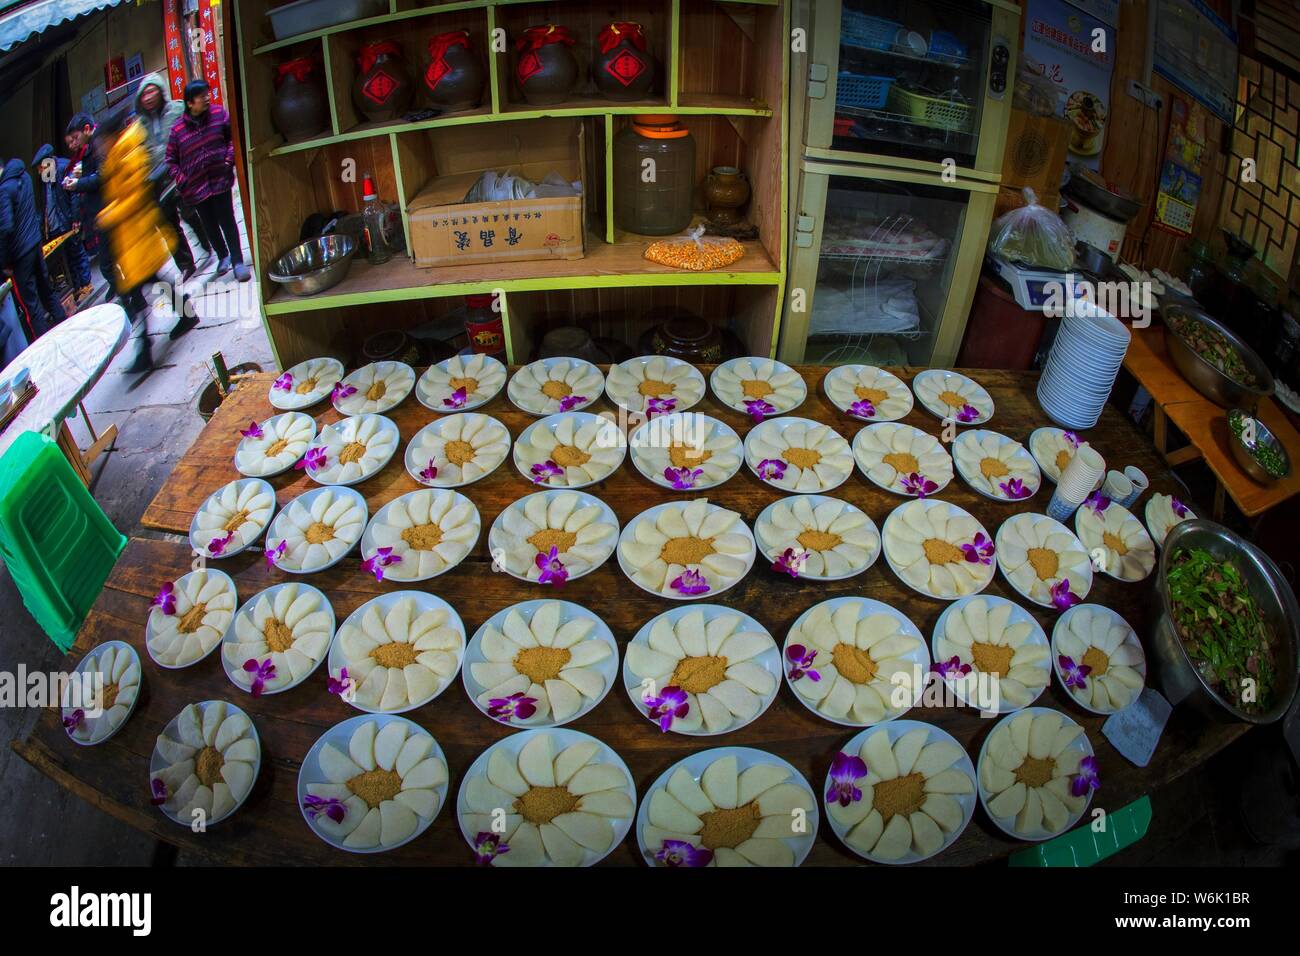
(694, 251)
(1033, 236)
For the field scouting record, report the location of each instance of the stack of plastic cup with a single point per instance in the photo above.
(1140, 485)
(1077, 481)
(1117, 487)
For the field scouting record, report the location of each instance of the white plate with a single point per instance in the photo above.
(403, 380)
(1152, 527)
(651, 513)
(1132, 638)
(606, 515)
(890, 427)
(663, 430)
(894, 730)
(153, 612)
(1021, 454)
(1081, 591)
(264, 425)
(425, 395)
(769, 660)
(564, 737)
(285, 402)
(414, 453)
(851, 372)
(1018, 616)
(1147, 542)
(340, 735)
(637, 402)
(1008, 824)
(778, 368)
(240, 483)
(1048, 469)
(569, 611)
(157, 764)
(609, 432)
(95, 652)
(307, 497)
(953, 510)
(746, 757)
(774, 429)
(247, 609)
(920, 656)
(523, 401)
(423, 602)
(336, 432)
(369, 548)
(943, 379)
(771, 550)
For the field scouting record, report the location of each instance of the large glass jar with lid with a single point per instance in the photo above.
(654, 176)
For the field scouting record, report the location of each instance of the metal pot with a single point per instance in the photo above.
(1176, 674)
(1244, 454)
(1203, 376)
(315, 265)
(1091, 190)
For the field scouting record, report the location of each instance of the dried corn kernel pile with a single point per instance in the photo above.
(687, 254)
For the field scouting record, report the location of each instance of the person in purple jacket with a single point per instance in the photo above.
(201, 159)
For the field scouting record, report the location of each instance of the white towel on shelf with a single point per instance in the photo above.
(887, 305)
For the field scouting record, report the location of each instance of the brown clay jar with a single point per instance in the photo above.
(383, 87)
(455, 76)
(545, 68)
(725, 190)
(623, 69)
(300, 109)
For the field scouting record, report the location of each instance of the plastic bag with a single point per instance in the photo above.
(1033, 236)
(695, 252)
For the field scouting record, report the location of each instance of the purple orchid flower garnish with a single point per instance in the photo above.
(683, 478)
(262, 672)
(862, 409)
(681, 853)
(339, 685)
(332, 807)
(1074, 675)
(342, 390)
(670, 705)
(275, 554)
(979, 550)
(919, 485)
(1086, 779)
(458, 398)
(846, 771)
(1015, 488)
(74, 720)
(771, 469)
(552, 568)
(253, 430)
(1097, 502)
(217, 546)
(1062, 597)
(569, 402)
(968, 413)
(759, 409)
(953, 667)
(545, 471)
(381, 559)
(487, 846)
(801, 663)
(284, 382)
(429, 472)
(314, 460)
(165, 599)
(157, 792)
(790, 562)
(690, 583)
(1180, 509)
(659, 406)
(1072, 438)
(506, 709)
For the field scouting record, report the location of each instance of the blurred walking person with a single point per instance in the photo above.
(21, 251)
(201, 157)
(83, 179)
(63, 212)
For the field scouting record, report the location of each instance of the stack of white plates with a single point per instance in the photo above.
(1082, 365)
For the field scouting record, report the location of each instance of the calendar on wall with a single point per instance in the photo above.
(1180, 177)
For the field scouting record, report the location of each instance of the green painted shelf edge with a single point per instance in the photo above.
(1084, 847)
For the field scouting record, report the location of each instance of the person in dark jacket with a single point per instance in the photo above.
(63, 212)
(21, 252)
(201, 157)
(83, 178)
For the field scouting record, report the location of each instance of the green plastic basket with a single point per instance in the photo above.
(56, 541)
(929, 110)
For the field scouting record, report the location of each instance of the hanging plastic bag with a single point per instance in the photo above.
(1034, 236)
(695, 252)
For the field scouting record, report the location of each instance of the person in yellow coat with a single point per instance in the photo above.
(139, 237)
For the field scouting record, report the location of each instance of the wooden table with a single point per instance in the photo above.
(1205, 426)
(270, 829)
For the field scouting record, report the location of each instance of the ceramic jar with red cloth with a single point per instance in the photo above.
(300, 108)
(383, 87)
(546, 70)
(623, 69)
(455, 76)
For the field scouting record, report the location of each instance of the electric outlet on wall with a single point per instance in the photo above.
(1145, 96)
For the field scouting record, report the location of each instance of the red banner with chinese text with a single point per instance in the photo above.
(211, 62)
(172, 38)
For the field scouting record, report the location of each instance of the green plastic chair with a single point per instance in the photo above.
(56, 541)
(1082, 847)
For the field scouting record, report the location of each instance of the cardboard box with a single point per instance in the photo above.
(446, 231)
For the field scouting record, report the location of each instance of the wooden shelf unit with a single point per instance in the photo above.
(723, 71)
